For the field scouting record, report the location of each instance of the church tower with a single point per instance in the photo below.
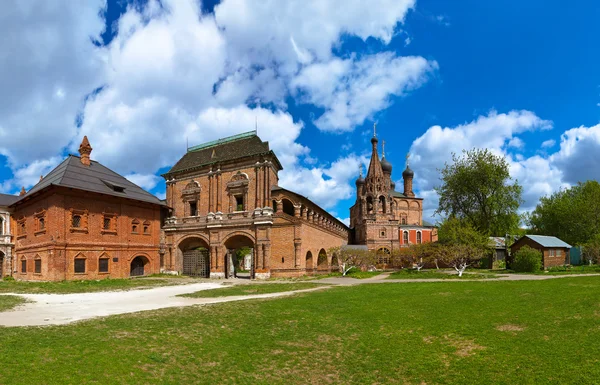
(373, 215)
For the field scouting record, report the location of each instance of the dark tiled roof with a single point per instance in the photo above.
(7, 200)
(428, 224)
(234, 147)
(397, 194)
(71, 173)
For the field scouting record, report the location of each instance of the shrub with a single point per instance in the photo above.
(527, 260)
(8, 278)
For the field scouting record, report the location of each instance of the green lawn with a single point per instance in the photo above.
(521, 332)
(434, 274)
(64, 287)
(7, 302)
(251, 289)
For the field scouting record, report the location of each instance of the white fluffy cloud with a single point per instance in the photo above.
(351, 90)
(48, 64)
(172, 74)
(578, 155)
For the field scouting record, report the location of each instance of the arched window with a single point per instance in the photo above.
(419, 237)
(369, 205)
(103, 263)
(288, 207)
(405, 238)
(1, 226)
(382, 208)
(383, 255)
(135, 224)
(146, 228)
(403, 220)
(79, 264)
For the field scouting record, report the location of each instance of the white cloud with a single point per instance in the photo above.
(578, 155)
(495, 132)
(352, 90)
(48, 65)
(145, 181)
(548, 143)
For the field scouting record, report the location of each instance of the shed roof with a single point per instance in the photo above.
(548, 241)
(71, 173)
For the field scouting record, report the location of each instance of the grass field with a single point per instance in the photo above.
(8, 302)
(526, 332)
(429, 274)
(64, 287)
(251, 289)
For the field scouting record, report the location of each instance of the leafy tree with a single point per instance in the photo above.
(461, 244)
(572, 215)
(591, 250)
(527, 260)
(477, 188)
(415, 255)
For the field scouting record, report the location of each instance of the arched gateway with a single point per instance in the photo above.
(196, 259)
(240, 259)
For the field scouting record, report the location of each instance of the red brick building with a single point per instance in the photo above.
(382, 218)
(224, 198)
(84, 221)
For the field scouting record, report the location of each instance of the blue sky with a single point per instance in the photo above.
(141, 78)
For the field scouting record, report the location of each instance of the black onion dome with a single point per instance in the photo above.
(393, 185)
(408, 173)
(386, 166)
(360, 180)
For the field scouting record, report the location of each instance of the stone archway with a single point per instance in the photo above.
(240, 258)
(309, 262)
(195, 257)
(138, 266)
(322, 260)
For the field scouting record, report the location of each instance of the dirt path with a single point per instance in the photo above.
(57, 309)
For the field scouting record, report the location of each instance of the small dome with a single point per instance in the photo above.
(393, 185)
(360, 180)
(408, 173)
(374, 140)
(386, 166)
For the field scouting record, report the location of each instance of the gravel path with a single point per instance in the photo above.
(57, 309)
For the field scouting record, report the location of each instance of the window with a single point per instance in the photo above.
(382, 233)
(23, 265)
(193, 209)
(239, 203)
(21, 230)
(146, 228)
(1, 226)
(134, 226)
(79, 221)
(103, 265)
(419, 237)
(42, 224)
(405, 238)
(38, 266)
(76, 221)
(551, 252)
(558, 252)
(106, 223)
(79, 266)
(403, 220)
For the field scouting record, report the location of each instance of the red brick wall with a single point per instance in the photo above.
(547, 260)
(58, 245)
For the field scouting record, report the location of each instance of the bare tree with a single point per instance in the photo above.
(350, 258)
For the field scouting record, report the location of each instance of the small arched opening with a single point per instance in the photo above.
(195, 257)
(239, 258)
(288, 207)
(309, 262)
(382, 208)
(383, 256)
(1, 265)
(369, 205)
(322, 260)
(138, 266)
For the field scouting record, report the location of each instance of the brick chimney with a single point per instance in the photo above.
(23, 192)
(84, 151)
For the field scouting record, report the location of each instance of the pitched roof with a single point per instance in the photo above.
(548, 241)
(7, 200)
(71, 173)
(397, 194)
(427, 224)
(233, 147)
(498, 242)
